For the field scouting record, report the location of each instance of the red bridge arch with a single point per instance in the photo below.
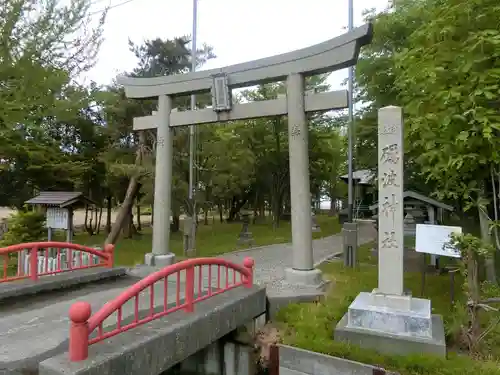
(83, 323)
(63, 253)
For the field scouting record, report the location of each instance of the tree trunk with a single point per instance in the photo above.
(176, 223)
(197, 209)
(138, 213)
(206, 205)
(262, 210)
(333, 208)
(233, 211)
(129, 229)
(128, 202)
(96, 219)
(286, 202)
(99, 221)
(276, 197)
(256, 207)
(124, 211)
(486, 237)
(127, 233)
(89, 220)
(236, 206)
(86, 217)
(221, 213)
(109, 209)
(474, 286)
(276, 211)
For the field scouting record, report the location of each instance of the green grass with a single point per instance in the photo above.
(310, 326)
(213, 239)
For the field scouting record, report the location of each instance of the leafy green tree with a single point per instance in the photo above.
(375, 85)
(130, 156)
(439, 60)
(448, 78)
(44, 45)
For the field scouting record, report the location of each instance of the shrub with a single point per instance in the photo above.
(24, 226)
(478, 316)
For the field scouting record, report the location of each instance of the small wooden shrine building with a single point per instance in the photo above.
(59, 207)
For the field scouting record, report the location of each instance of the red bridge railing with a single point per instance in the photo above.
(86, 330)
(35, 259)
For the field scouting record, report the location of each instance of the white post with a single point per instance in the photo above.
(390, 201)
(302, 271)
(431, 211)
(69, 226)
(161, 256)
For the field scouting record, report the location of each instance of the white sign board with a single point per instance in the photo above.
(431, 239)
(57, 218)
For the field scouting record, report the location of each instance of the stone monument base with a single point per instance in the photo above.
(392, 325)
(311, 278)
(246, 238)
(156, 260)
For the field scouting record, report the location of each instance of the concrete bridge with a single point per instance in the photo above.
(95, 319)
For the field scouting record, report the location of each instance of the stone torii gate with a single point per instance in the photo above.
(334, 54)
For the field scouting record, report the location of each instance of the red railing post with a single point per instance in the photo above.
(79, 314)
(189, 292)
(5, 266)
(34, 263)
(248, 263)
(109, 249)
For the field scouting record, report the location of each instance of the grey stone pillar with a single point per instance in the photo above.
(302, 271)
(390, 201)
(161, 256)
(387, 319)
(350, 243)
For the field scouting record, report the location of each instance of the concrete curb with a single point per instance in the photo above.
(22, 288)
(304, 362)
(338, 255)
(329, 258)
(273, 244)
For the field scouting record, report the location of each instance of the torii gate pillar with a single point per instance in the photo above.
(302, 270)
(161, 255)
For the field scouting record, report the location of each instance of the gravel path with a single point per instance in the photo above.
(271, 261)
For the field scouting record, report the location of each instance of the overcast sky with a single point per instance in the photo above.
(238, 30)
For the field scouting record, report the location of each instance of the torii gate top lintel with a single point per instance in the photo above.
(334, 54)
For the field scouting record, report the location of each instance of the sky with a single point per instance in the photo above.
(238, 30)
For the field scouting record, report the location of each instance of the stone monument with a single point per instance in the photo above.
(314, 223)
(245, 237)
(187, 231)
(388, 319)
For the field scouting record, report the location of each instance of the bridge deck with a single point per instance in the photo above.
(37, 327)
(155, 347)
